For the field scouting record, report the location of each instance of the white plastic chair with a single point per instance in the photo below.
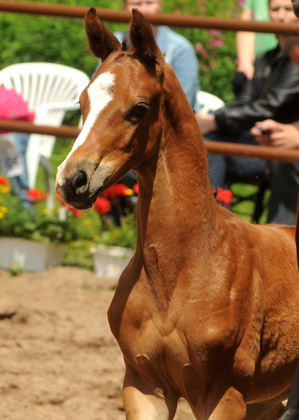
(50, 90)
(208, 102)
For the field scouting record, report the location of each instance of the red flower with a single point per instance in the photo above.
(102, 205)
(116, 190)
(3, 181)
(224, 197)
(136, 189)
(36, 195)
(76, 212)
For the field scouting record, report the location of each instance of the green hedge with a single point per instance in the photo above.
(61, 40)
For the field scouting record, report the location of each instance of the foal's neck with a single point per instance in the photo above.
(176, 204)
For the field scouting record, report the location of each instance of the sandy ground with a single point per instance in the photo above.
(58, 358)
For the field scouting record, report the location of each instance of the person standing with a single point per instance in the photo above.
(273, 93)
(251, 45)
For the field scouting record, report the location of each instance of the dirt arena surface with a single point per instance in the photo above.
(58, 358)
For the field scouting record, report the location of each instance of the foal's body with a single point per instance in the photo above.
(211, 298)
(208, 307)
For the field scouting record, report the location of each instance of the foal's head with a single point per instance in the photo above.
(121, 110)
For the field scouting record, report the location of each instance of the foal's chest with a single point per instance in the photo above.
(147, 334)
(159, 342)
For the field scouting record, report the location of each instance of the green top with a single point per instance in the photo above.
(260, 12)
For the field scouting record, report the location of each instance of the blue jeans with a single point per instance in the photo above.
(20, 183)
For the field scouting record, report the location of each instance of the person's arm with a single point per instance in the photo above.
(206, 122)
(245, 48)
(274, 134)
(279, 102)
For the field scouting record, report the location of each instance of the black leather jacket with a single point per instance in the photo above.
(272, 93)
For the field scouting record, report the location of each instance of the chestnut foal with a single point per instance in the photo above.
(208, 308)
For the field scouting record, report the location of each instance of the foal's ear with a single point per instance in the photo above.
(143, 40)
(101, 41)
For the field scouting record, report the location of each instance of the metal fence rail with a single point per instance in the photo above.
(200, 22)
(227, 149)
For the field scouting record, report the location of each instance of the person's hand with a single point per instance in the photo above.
(207, 122)
(272, 133)
(262, 130)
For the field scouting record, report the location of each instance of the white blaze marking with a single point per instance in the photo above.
(99, 94)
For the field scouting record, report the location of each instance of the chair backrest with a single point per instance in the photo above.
(50, 90)
(208, 102)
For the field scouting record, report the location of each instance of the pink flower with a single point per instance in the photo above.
(216, 43)
(214, 32)
(198, 47)
(241, 3)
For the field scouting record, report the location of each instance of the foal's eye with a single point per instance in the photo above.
(139, 110)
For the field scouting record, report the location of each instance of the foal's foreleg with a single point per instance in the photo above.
(143, 402)
(230, 407)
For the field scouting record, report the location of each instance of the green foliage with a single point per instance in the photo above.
(124, 236)
(245, 208)
(62, 40)
(78, 254)
(215, 50)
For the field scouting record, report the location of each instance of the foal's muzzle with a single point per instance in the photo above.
(80, 182)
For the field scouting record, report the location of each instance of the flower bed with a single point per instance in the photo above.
(64, 225)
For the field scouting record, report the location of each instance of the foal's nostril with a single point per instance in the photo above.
(80, 181)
